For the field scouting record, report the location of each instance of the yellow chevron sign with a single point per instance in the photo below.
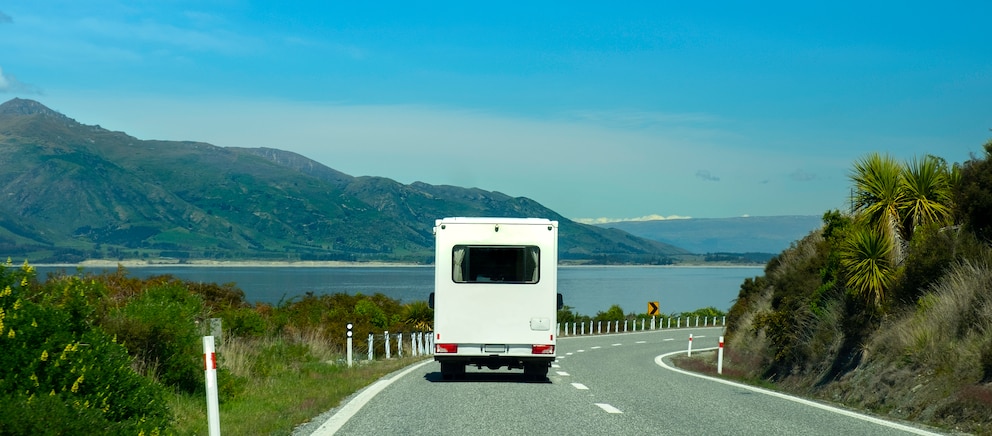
(652, 308)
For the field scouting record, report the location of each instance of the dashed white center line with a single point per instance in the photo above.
(555, 365)
(617, 345)
(580, 351)
(579, 386)
(562, 373)
(642, 342)
(596, 348)
(669, 339)
(608, 408)
(569, 354)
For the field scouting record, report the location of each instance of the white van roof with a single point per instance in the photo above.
(493, 220)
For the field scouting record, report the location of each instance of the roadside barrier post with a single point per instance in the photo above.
(583, 330)
(643, 320)
(724, 321)
(371, 346)
(616, 327)
(349, 345)
(624, 325)
(652, 323)
(574, 326)
(669, 322)
(386, 334)
(690, 345)
(599, 327)
(697, 320)
(719, 358)
(210, 369)
(678, 323)
(558, 329)
(705, 318)
(399, 345)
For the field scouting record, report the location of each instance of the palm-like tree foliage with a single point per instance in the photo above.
(926, 186)
(418, 315)
(878, 183)
(867, 258)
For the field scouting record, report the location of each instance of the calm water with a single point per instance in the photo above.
(587, 289)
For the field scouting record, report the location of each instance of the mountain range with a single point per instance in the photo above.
(758, 234)
(73, 192)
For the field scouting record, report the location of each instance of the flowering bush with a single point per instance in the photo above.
(60, 374)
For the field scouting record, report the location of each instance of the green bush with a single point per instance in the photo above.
(159, 327)
(63, 377)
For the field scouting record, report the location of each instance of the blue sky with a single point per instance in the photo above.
(607, 110)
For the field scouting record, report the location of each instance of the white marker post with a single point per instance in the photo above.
(350, 325)
(690, 345)
(386, 335)
(719, 358)
(210, 370)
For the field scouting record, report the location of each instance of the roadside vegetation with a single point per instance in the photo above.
(114, 354)
(888, 307)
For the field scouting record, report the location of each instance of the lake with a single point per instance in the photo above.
(587, 289)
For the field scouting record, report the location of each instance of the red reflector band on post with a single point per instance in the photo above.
(542, 349)
(445, 348)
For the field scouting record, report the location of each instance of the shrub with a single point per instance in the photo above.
(159, 328)
(62, 377)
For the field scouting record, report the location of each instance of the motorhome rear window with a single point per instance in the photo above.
(495, 263)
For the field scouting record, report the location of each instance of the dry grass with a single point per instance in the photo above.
(281, 383)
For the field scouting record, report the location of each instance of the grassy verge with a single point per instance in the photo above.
(270, 387)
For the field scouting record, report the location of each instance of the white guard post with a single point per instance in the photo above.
(210, 368)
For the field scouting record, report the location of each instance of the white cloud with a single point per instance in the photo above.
(10, 84)
(4, 18)
(619, 220)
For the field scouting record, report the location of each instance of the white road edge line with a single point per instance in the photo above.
(608, 408)
(336, 421)
(659, 360)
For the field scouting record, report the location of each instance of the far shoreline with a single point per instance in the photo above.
(204, 263)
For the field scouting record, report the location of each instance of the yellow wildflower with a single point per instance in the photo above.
(52, 394)
(34, 378)
(75, 386)
(24, 281)
(34, 323)
(17, 304)
(44, 356)
(9, 262)
(6, 291)
(11, 334)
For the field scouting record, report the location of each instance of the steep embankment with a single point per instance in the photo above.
(929, 360)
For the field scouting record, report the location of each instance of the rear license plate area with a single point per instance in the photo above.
(494, 348)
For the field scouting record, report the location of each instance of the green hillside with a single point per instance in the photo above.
(74, 192)
(888, 308)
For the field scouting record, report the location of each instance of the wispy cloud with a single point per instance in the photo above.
(801, 175)
(619, 220)
(629, 119)
(4, 18)
(705, 175)
(10, 83)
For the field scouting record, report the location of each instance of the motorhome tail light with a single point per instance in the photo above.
(445, 348)
(542, 349)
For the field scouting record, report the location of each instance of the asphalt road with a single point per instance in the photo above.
(612, 384)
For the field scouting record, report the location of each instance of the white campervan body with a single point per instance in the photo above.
(495, 294)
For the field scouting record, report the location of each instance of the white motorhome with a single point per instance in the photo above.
(495, 294)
